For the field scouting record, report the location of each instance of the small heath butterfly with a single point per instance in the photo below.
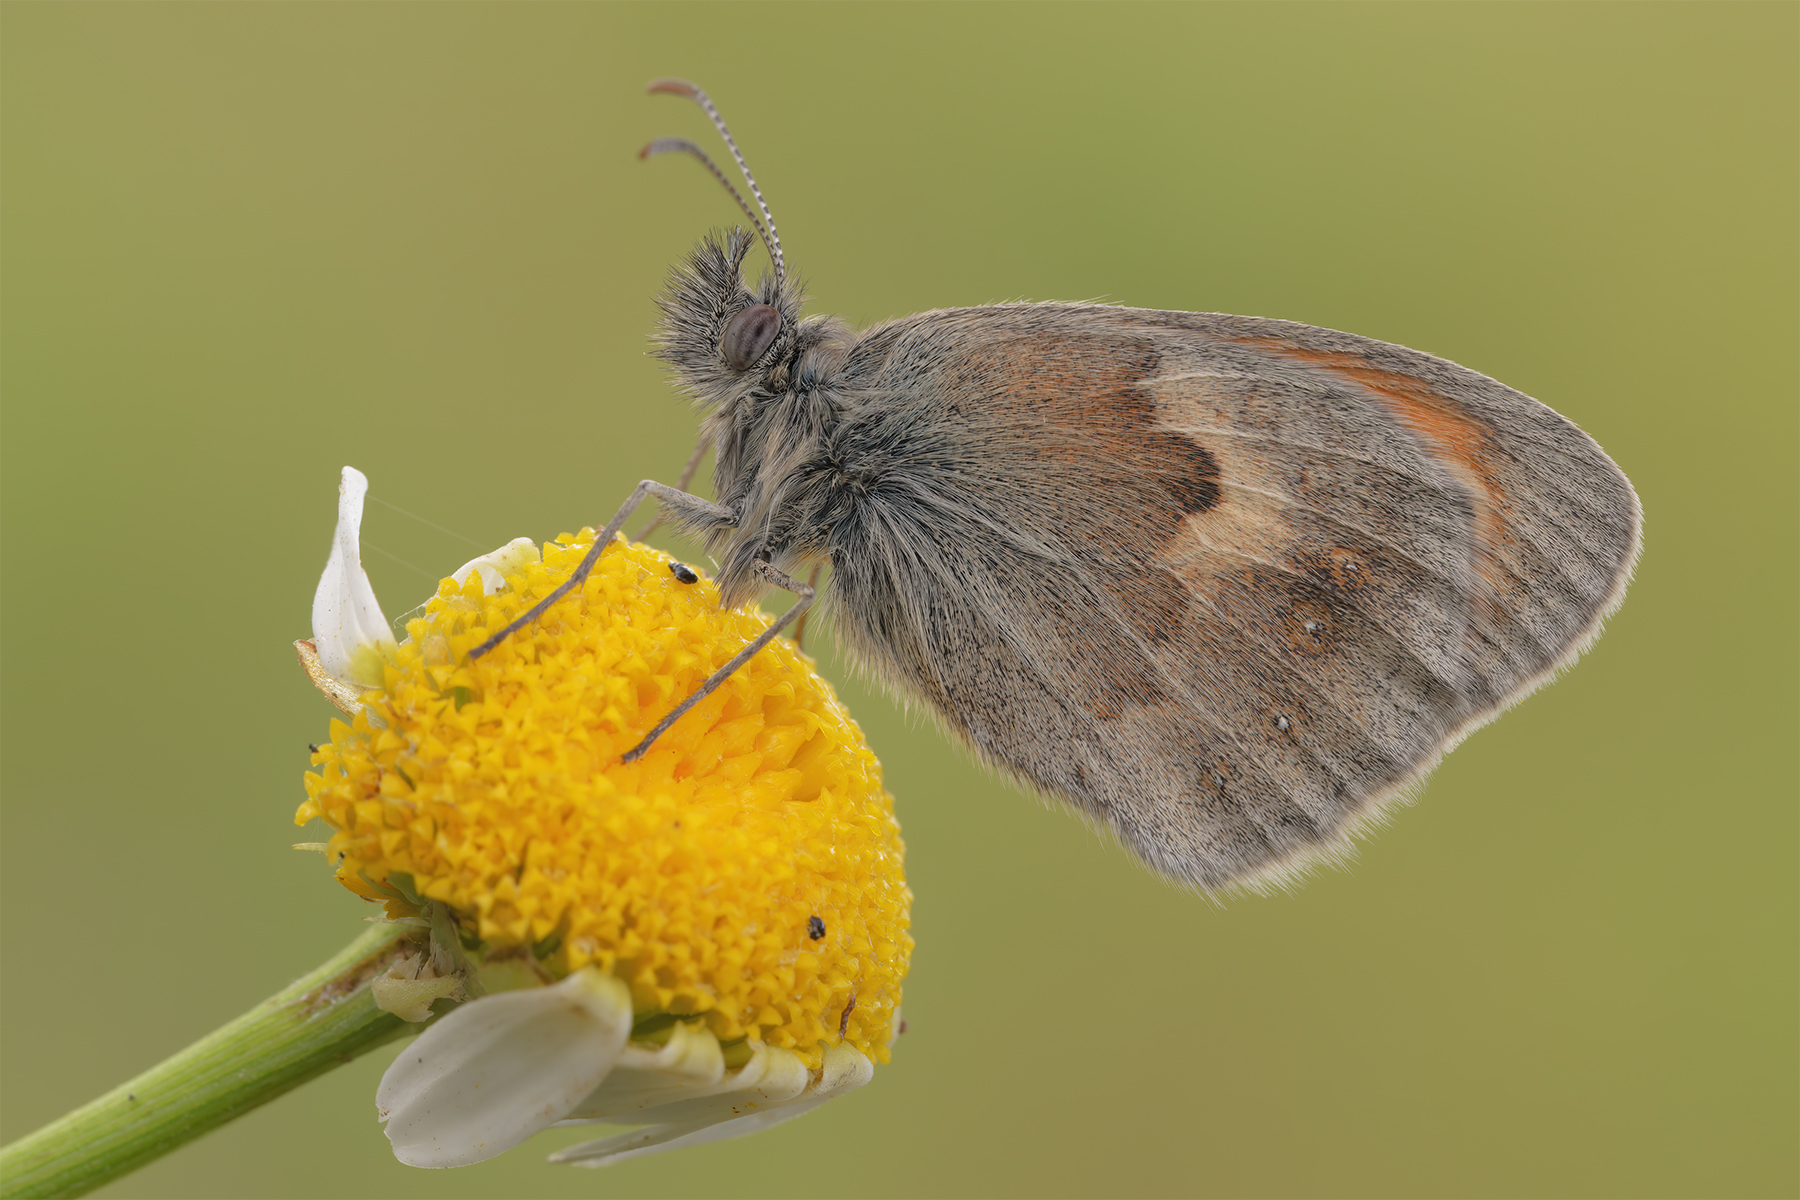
(1227, 585)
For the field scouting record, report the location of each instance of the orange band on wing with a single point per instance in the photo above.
(1462, 444)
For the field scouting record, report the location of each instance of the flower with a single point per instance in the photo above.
(701, 944)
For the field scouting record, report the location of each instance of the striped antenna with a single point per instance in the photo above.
(683, 146)
(681, 87)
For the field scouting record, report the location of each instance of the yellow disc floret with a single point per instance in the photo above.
(747, 868)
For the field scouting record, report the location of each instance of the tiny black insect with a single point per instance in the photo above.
(683, 572)
(815, 928)
(313, 746)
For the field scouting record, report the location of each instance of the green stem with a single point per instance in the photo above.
(318, 1022)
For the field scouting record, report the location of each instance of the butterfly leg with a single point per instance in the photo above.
(812, 581)
(649, 487)
(681, 485)
(806, 595)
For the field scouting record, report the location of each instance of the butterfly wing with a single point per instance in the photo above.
(1227, 584)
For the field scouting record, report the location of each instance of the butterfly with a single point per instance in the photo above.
(1226, 585)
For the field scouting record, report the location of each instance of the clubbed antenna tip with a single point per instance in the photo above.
(681, 87)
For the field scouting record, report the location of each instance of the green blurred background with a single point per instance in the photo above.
(247, 244)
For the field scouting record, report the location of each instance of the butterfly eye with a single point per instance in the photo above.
(748, 334)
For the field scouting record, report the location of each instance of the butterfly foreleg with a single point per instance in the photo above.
(806, 593)
(687, 504)
(812, 581)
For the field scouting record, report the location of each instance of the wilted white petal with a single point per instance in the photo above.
(496, 565)
(690, 1065)
(347, 696)
(409, 988)
(349, 631)
(845, 1068)
(772, 1076)
(499, 1069)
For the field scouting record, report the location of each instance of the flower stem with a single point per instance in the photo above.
(318, 1022)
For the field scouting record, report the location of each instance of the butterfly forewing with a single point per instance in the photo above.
(1224, 583)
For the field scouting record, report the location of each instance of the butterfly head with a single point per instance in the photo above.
(764, 377)
(726, 338)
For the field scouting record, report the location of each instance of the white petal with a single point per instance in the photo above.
(845, 1068)
(772, 1076)
(499, 1069)
(350, 632)
(690, 1065)
(496, 565)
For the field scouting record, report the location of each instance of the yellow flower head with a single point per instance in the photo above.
(745, 873)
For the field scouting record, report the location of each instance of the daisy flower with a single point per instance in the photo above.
(694, 946)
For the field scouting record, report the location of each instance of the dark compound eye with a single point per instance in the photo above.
(815, 928)
(683, 572)
(748, 334)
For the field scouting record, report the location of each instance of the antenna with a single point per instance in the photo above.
(681, 87)
(683, 146)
